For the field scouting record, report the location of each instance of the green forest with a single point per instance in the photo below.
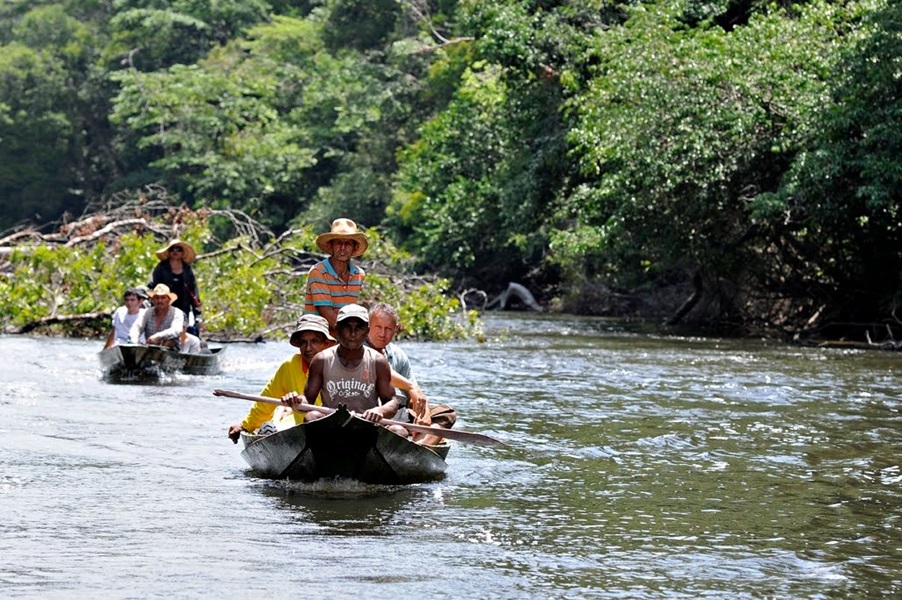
(728, 165)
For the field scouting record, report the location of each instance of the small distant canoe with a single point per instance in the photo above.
(343, 445)
(137, 361)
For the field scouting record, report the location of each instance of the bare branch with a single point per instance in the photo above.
(109, 228)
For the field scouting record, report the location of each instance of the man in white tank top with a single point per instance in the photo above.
(350, 374)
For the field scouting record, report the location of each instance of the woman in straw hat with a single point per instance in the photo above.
(310, 336)
(335, 281)
(174, 270)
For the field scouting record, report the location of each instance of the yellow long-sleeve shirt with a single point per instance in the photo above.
(291, 376)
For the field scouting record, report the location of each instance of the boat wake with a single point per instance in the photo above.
(335, 488)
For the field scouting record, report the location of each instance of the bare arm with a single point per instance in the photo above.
(386, 392)
(419, 405)
(401, 382)
(110, 338)
(329, 314)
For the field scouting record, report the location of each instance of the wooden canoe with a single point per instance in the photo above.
(137, 361)
(343, 445)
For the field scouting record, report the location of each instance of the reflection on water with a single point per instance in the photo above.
(343, 507)
(638, 466)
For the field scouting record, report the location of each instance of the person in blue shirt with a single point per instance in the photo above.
(384, 324)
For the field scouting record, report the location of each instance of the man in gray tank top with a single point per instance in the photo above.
(351, 374)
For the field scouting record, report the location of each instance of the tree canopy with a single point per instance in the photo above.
(733, 164)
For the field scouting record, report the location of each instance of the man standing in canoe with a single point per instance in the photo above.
(384, 323)
(161, 325)
(350, 374)
(335, 281)
(310, 336)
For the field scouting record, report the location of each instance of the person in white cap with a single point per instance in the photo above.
(310, 337)
(336, 281)
(351, 374)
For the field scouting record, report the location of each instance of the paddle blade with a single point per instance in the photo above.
(478, 439)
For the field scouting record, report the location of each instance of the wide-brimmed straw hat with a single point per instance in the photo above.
(188, 253)
(310, 323)
(162, 289)
(344, 229)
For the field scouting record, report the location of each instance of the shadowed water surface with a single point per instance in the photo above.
(639, 466)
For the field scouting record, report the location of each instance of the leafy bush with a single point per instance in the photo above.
(249, 288)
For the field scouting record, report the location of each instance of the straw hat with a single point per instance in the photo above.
(310, 323)
(343, 229)
(188, 253)
(162, 290)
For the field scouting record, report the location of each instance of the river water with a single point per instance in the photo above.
(639, 466)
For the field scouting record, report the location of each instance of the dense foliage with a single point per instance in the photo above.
(618, 157)
(251, 286)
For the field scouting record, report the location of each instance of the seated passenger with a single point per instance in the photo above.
(188, 342)
(125, 316)
(350, 374)
(310, 336)
(384, 323)
(161, 325)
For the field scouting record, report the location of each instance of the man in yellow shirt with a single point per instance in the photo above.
(311, 335)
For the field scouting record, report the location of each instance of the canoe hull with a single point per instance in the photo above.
(343, 445)
(137, 361)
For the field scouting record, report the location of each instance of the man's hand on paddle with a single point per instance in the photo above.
(294, 399)
(374, 415)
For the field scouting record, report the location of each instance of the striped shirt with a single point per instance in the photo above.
(324, 288)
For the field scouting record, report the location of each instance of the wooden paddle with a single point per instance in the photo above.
(451, 434)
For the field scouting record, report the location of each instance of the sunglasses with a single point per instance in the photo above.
(176, 249)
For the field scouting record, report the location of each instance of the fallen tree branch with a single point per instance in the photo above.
(697, 291)
(518, 291)
(229, 250)
(109, 228)
(45, 321)
(470, 292)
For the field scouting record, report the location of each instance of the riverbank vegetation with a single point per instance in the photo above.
(252, 284)
(730, 165)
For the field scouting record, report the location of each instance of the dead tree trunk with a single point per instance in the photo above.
(690, 302)
(518, 291)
